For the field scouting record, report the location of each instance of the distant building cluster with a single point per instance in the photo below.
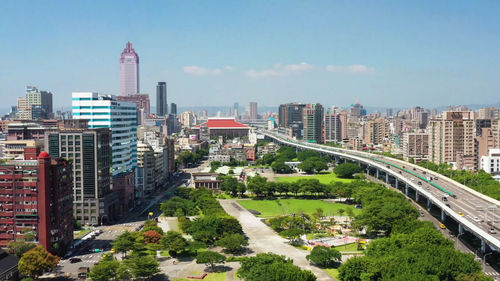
(458, 136)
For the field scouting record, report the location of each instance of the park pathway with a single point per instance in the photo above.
(263, 239)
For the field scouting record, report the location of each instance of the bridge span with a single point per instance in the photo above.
(456, 205)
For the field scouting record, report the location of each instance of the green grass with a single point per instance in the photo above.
(352, 247)
(323, 178)
(333, 272)
(273, 208)
(81, 233)
(164, 253)
(221, 276)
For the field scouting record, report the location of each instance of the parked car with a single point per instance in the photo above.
(75, 260)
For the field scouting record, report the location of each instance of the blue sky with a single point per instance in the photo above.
(382, 53)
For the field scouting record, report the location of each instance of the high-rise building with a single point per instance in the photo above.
(451, 134)
(313, 122)
(488, 113)
(142, 104)
(173, 108)
(94, 202)
(415, 146)
(188, 119)
(104, 111)
(253, 113)
(129, 71)
(357, 110)
(39, 202)
(376, 131)
(35, 105)
(161, 99)
(290, 113)
(388, 112)
(333, 127)
(236, 109)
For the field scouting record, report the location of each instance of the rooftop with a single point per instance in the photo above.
(222, 123)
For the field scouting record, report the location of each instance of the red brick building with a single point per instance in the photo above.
(36, 198)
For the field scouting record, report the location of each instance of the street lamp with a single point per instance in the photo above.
(484, 260)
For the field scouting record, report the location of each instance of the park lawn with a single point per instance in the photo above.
(325, 178)
(220, 276)
(333, 272)
(352, 247)
(273, 208)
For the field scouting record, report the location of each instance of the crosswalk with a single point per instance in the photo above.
(493, 274)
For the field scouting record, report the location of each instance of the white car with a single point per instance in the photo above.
(476, 219)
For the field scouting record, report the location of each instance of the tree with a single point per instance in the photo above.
(143, 266)
(214, 165)
(123, 272)
(346, 170)
(174, 242)
(37, 261)
(286, 153)
(242, 188)
(19, 248)
(124, 242)
(105, 270)
(257, 184)
(229, 185)
(233, 243)
(272, 267)
(280, 167)
(306, 154)
(152, 236)
(150, 223)
(178, 206)
(324, 256)
(210, 259)
(267, 159)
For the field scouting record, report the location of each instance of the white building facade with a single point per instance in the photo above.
(104, 111)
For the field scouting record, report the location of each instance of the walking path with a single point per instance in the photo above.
(263, 239)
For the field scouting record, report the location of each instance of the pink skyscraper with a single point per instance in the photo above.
(129, 71)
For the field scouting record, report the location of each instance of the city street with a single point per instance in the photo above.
(131, 222)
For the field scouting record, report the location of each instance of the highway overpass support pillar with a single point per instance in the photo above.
(416, 196)
(483, 246)
(386, 178)
(406, 189)
(429, 205)
(443, 215)
(396, 183)
(460, 229)
(377, 174)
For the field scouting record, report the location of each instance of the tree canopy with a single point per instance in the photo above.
(346, 170)
(272, 267)
(37, 261)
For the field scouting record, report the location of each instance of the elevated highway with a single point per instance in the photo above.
(456, 204)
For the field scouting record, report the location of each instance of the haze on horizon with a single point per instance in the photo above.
(394, 53)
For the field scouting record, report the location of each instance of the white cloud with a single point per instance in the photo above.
(228, 68)
(353, 69)
(201, 71)
(280, 70)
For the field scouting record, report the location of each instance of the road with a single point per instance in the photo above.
(459, 243)
(476, 210)
(130, 222)
(263, 239)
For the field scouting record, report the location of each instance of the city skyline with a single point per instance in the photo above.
(371, 54)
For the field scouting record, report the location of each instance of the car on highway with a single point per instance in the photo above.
(75, 260)
(492, 231)
(460, 214)
(476, 219)
(442, 226)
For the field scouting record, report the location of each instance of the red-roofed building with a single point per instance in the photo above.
(226, 127)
